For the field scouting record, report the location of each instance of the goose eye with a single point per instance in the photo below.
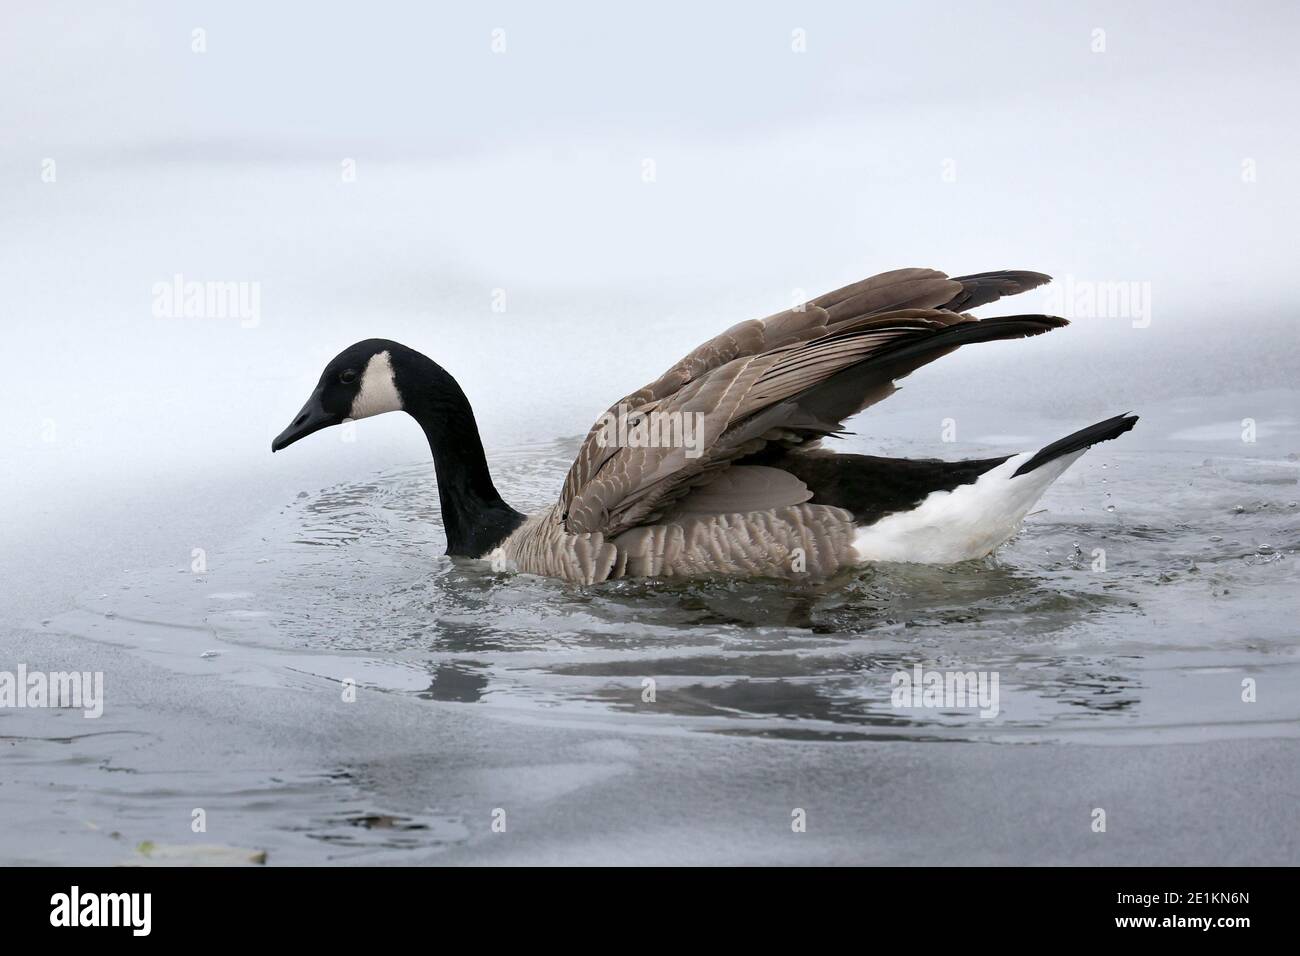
(348, 376)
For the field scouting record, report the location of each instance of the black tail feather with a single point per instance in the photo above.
(1083, 438)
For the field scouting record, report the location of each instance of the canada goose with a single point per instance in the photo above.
(715, 467)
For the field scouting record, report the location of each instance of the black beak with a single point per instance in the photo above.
(312, 418)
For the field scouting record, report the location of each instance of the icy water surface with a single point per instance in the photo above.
(1197, 594)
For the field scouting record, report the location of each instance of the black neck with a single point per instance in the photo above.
(473, 514)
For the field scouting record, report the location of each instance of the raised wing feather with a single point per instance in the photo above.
(791, 378)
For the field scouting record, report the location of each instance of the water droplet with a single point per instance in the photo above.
(1216, 537)
(1110, 507)
(208, 655)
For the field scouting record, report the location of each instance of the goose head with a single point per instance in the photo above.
(361, 381)
(377, 376)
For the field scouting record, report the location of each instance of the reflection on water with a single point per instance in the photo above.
(1134, 607)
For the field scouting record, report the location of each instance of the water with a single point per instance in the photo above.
(228, 683)
(1128, 612)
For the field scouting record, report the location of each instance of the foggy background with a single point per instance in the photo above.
(965, 137)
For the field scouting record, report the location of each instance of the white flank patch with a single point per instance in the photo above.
(378, 389)
(965, 523)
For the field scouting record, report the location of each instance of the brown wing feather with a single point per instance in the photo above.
(790, 378)
(985, 287)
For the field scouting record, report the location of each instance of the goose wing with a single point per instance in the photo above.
(791, 378)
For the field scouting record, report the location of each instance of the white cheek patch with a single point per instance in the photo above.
(378, 389)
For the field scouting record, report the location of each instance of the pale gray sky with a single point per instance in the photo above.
(964, 136)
